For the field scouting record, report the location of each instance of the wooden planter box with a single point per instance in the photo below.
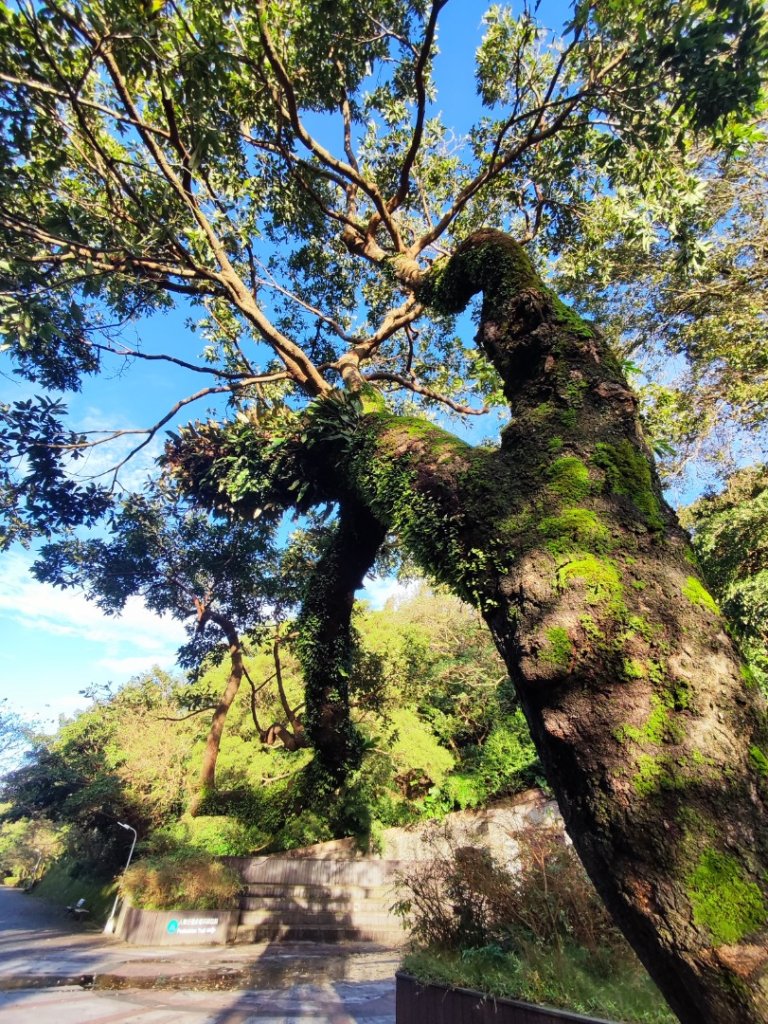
(418, 1003)
(177, 927)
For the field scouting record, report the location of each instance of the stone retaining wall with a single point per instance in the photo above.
(331, 891)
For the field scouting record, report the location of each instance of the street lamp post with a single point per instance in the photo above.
(109, 927)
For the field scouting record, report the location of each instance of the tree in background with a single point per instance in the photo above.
(429, 697)
(730, 537)
(687, 304)
(15, 735)
(117, 761)
(185, 150)
(27, 847)
(184, 563)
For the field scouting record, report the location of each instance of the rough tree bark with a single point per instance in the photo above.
(653, 737)
(650, 731)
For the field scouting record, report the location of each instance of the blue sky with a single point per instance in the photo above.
(53, 644)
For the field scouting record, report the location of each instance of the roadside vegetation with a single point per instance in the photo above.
(540, 934)
(428, 691)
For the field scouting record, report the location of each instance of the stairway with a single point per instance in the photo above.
(329, 892)
(323, 900)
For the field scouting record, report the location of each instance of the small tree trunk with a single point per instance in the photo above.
(213, 740)
(325, 642)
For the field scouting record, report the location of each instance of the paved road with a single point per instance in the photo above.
(53, 971)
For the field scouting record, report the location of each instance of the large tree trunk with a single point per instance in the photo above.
(650, 732)
(652, 735)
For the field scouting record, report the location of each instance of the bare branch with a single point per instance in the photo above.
(290, 110)
(183, 718)
(130, 353)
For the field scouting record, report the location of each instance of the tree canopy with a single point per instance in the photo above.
(176, 150)
(284, 167)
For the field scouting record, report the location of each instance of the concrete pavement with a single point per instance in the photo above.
(56, 969)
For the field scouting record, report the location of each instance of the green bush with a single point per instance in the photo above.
(188, 882)
(564, 977)
(219, 836)
(302, 829)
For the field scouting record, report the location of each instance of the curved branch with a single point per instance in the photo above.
(183, 718)
(411, 384)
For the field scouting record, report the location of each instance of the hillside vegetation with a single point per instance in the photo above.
(430, 698)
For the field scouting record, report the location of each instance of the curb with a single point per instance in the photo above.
(18, 982)
(212, 981)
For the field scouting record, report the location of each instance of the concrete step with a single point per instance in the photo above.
(328, 893)
(340, 905)
(318, 899)
(305, 871)
(265, 915)
(275, 932)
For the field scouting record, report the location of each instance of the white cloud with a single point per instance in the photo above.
(122, 667)
(46, 609)
(100, 462)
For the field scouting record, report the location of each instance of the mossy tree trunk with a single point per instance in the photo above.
(325, 638)
(651, 734)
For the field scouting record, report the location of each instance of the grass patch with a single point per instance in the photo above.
(566, 978)
(61, 887)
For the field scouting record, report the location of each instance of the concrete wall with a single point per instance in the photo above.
(332, 891)
(493, 827)
(438, 1004)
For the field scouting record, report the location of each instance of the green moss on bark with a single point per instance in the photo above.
(489, 262)
(759, 759)
(724, 900)
(574, 527)
(569, 478)
(559, 649)
(569, 318)
(628, 473)
(600, 577)
(697, 594)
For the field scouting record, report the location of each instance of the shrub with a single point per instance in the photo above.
(188, 882)
(539, 933)
(302, 829)
(216, 835)
(465, 899)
